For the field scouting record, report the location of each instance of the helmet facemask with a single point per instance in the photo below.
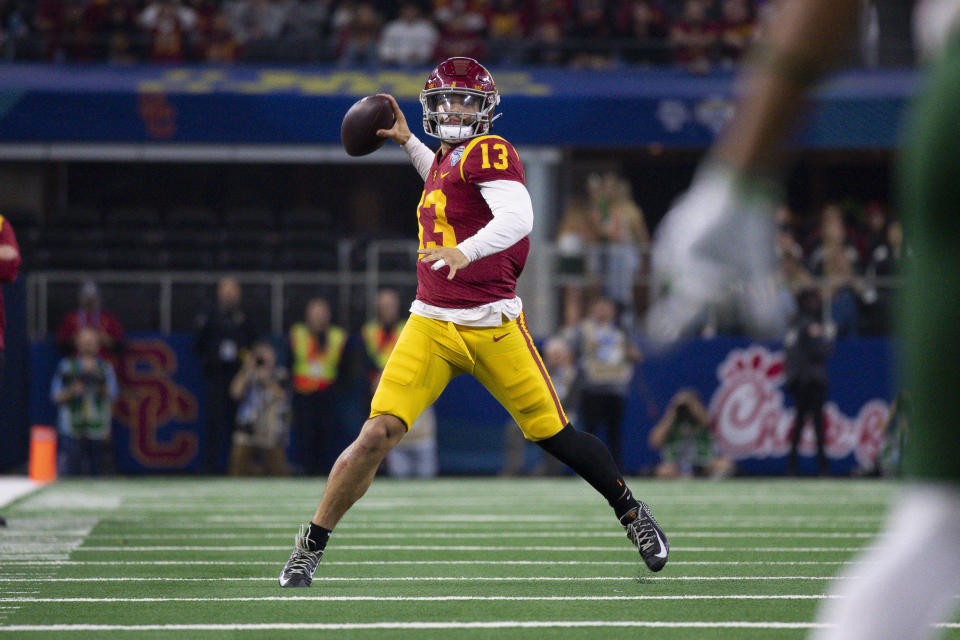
(457, 114)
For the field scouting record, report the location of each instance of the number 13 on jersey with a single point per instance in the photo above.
(441, 227)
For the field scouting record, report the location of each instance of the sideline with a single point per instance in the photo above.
(14, 487)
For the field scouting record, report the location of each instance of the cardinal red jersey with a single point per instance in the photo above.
(451, 210)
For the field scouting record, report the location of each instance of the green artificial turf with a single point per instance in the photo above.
(124, 554)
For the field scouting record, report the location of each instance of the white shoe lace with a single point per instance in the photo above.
(303, 560)
(642, 534)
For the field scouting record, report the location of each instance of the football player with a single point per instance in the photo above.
(474, 216)
(722, 230)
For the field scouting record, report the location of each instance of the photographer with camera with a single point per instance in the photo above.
(684, 441)
(84, 389)
(263, 415)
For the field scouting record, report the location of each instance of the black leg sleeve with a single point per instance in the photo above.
(589, 458)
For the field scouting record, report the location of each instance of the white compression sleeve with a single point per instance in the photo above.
(512, 211)
(420, 155)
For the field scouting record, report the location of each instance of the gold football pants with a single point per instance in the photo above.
(430, 353)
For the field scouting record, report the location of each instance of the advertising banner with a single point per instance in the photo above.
(305, 105)
(159, 414)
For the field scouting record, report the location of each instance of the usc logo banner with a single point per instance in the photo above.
(151, 401)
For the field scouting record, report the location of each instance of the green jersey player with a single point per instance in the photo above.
(722, 230)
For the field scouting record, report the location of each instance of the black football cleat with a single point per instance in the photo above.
(299, 570)
(647, 536)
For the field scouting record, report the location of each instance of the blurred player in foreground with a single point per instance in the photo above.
(474, 216)
(722, 230)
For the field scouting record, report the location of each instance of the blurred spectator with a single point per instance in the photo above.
(380, 334)
(506, 27)
(309, 19)
(263, 415)
(792, 274)
(886, 260)
(416, 455)
(220, 45)
(91, 314)
(359, 35)
(575, 235)
(15, 17)
(86, 25)
(835, 259)
(645, 24)
(809, 344)
(693, 38)
(564, 373)
(684, 441)
(565, 376)
(736, 31)
(606, 358)
(624, 237)
(875, 232)
(408, 40)
(120, 33)
(223, 336)
(461, 31)
(51, 22)
(256, 20)
(896, 432)
(317, 352)
(170, 26)
(591, 32)
(548, 21)
(84, 388)
(9, 268)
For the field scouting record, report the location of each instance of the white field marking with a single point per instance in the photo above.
(600, 518)
(403, 547)
(432, 579)
(430, 598)
(674, 533)
(13, 487)
(20, 545)
(71, 500)
(346, 626)
(607, 563)
(289, 528)
(265, 521)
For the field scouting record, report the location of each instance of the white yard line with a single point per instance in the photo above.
(253, 521)
(455, 624)
(429, 598)
(246, 519)
(405, 547)
(427, 579)
(457, 535)
(579, 563)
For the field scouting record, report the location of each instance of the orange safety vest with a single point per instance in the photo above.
(380, 343)
(315, 369)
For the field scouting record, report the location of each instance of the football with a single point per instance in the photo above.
(358, 133)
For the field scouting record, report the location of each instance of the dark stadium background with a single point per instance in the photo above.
(155, 179)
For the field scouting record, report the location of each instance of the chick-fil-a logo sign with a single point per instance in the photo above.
(751, 421)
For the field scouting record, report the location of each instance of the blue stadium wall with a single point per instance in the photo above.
(160, 412)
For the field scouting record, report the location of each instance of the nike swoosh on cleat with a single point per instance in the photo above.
(499, 338)
(444, 175)
(663, 547)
